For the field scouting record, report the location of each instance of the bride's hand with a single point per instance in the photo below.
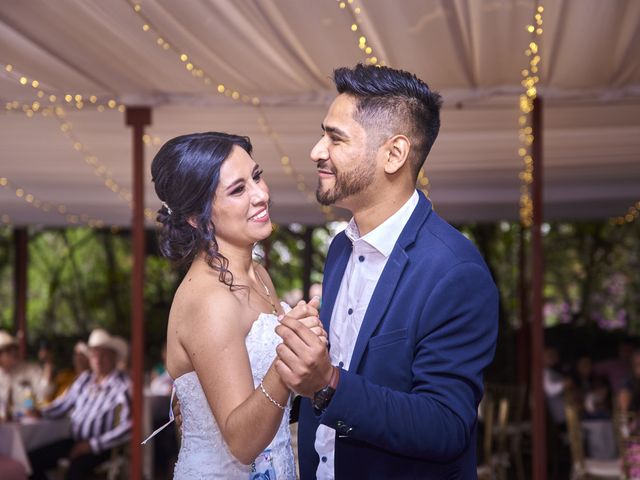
(307, 314)
(315, 325)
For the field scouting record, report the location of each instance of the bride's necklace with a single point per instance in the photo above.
(266, 290)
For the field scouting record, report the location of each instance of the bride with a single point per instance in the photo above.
(221, 342)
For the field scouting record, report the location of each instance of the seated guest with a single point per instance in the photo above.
(161, 381)
(617, 369)
(629, 394)
(21, 383)
(555, 383)
(99, 402)
(65, 377)
(123, 359)
(591, 392)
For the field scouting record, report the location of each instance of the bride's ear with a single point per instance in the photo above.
(192, 221)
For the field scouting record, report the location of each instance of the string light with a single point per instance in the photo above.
(44, 206)
(57, 111)
(633, 213)
(222, 89)
(75, 100)
(525, 128)
(355, 11)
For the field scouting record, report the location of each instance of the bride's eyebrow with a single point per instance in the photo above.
(234, 184)
(239, 181)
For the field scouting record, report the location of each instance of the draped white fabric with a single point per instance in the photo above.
(283, 51)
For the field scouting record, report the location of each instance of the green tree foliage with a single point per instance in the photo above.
(6, 278)
(79, 278)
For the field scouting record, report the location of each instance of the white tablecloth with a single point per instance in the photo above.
(16, 439)
(600, 439)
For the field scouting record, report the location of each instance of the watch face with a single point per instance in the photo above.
(322, 397)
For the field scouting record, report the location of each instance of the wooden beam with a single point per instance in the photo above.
(523, 336)
(539, 460)
(138, 118)
(21, 246)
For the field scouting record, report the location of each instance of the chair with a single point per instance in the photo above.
(516, 428)
(495, 433)
(627, 427)
(582, 467)
(115, 468)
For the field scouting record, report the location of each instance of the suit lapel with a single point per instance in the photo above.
(380, 300)
(388, 282)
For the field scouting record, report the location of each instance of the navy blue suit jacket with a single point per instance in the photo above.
(407, 407)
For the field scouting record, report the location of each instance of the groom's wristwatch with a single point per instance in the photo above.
(323, 396)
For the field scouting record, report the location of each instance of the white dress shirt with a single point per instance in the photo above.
(366, 263)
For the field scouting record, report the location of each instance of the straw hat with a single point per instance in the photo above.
(123, 348)
(7, 340)
(82, 348)
(101, 338)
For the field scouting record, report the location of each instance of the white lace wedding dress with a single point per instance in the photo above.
(204, 454)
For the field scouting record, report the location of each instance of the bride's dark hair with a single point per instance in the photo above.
(185, 173)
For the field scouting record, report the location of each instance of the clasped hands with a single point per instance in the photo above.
(303, 361)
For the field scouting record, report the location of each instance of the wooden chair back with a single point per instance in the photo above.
(574, 432)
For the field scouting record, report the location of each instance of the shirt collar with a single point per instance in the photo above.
(385, 235)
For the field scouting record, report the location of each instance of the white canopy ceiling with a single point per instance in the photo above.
(283, 52)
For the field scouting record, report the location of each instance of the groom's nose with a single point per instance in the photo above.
(319, 150)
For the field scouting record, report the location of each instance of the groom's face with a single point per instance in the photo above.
(346, 165)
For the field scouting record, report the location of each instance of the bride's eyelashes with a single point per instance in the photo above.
(257, 177)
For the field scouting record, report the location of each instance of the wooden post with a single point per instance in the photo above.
(138, 118)
(523, 335)
(20, 245)
(537, 283)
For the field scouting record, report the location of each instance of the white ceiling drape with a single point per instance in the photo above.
(283, 52)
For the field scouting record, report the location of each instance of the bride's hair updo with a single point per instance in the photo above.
(186, 172)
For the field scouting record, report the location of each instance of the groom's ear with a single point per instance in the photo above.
(397, 150)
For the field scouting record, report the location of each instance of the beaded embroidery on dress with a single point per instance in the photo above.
(204, 454)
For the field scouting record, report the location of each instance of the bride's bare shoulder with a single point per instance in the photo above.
(204, 314)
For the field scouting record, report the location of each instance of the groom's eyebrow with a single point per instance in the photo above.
(334, 130)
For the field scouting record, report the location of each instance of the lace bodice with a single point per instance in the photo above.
(204, 454)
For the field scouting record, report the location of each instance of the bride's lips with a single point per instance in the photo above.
(262, 216)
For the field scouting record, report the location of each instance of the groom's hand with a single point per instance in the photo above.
(303, 359)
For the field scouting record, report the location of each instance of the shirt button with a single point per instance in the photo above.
(341, 364)
(324, 459)
(361, 258)
(350, 311)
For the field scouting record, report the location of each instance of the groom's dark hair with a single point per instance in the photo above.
(391, 102)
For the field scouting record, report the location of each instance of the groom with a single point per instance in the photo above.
(409, 304)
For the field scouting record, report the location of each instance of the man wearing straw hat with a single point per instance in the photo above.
(19, 379)
(100, 406)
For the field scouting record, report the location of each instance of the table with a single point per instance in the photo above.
(600, 439)
(18, 438)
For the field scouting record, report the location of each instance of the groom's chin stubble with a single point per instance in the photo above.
(324, 198)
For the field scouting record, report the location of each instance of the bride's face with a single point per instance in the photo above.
(241, 203)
